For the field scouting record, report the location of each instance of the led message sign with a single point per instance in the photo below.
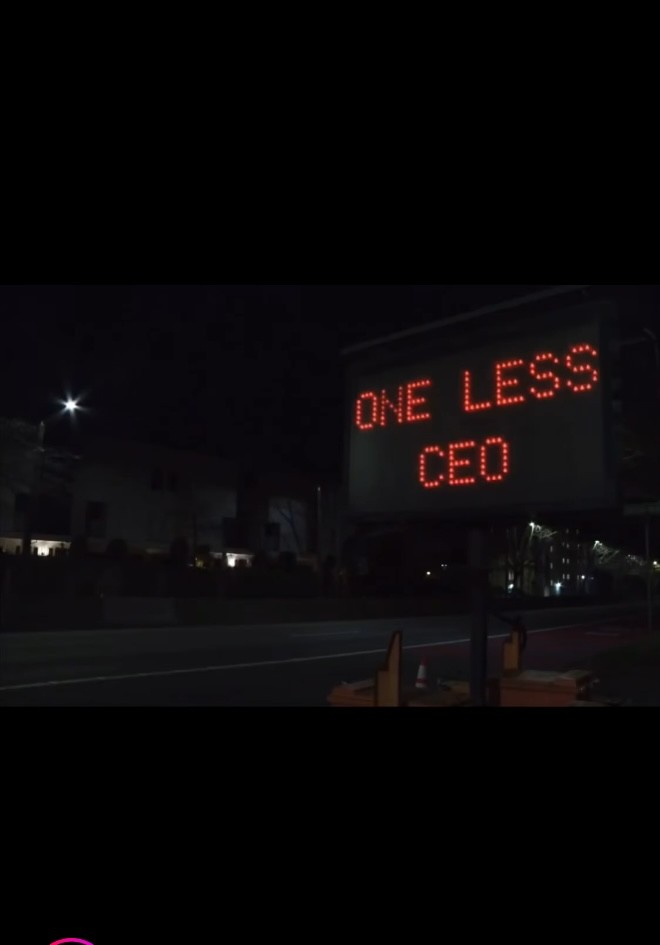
(515, 424)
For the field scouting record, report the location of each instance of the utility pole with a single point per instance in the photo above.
(33, 496)
(649, 575)
(70, 406)
(478, 563)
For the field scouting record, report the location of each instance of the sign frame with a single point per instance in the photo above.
(495, 326)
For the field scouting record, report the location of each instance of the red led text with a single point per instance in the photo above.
(476, 459)
(541, 372)
(517, 381)
(408, 404)
(367, 411)
(580, 362)
(505, 379)
(465, 464)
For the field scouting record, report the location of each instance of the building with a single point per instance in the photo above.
(25, 467)
(150, 496)
(542, 561)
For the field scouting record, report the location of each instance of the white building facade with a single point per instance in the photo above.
(149, 497)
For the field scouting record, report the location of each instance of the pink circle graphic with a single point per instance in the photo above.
(79, 941)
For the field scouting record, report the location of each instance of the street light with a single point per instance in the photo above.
(70, 406)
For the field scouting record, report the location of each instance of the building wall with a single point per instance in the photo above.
(6, 511)
(149, 496)
(152, 496)
(22, 468)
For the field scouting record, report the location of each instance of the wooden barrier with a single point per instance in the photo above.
(452, 694)
(384, 692)
(598, 704)
(388, 679)
(512, 653)
(354, 695)
(515, 689)
(533, 689)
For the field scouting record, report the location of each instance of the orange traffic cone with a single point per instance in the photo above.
(422, 676)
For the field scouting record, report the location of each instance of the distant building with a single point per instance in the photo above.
(23, 466)
(150, 496)
(545, 562)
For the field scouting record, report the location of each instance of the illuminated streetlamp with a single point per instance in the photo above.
(70, 406)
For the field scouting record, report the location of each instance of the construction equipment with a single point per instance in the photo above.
(521, 688)
(383, 692)
(388, 679)
(515, 646)
(386, 691)
(535, 689)
(516, 688)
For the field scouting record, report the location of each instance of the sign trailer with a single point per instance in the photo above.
(497, 417)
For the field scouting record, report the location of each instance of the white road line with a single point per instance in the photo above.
(260, 665)
(324, 635)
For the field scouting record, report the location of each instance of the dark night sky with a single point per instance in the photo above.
(252, 370)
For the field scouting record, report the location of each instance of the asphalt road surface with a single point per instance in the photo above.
(279, 665)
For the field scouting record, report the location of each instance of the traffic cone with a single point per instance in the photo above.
(422, 676)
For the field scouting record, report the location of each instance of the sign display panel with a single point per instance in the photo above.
(515, 424)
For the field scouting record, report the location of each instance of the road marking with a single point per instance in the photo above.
(325, 634)
(260, 665)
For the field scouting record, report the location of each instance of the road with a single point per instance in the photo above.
(279, 665)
